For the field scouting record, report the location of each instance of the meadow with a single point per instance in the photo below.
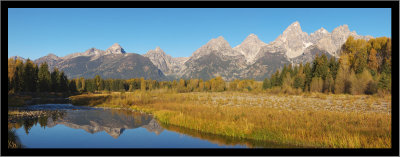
(307, 120)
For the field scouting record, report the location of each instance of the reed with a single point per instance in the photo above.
(314, 120)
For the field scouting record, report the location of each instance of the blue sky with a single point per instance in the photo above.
(35, 32)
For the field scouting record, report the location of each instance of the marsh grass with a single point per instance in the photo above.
(313, 120)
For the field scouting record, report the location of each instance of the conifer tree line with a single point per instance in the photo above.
(130, 85)
(364, 67)
(28, 77)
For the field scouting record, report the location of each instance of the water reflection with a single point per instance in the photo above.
(13, 140)
(28, 118)
(115, 123)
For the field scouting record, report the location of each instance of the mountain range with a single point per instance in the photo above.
(252, 59)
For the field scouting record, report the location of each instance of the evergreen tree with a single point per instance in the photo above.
(333, 67)
(55, 82)
(72, 86)
(121, 86)
(29, 77)
(298, 82)
(320, 67)
(266, 83)
(385, 82)
(44, 78)
(308, 76)
(97, 80)
(63, 82)
(360, 60)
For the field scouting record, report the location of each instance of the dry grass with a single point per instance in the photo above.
(315, 119)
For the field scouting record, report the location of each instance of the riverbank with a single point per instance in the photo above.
(31, 98)
(317, 120)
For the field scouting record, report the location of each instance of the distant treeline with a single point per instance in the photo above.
(193, 85)
(364, 67)
(28, 77)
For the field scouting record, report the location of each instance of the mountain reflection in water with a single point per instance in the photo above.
(113, 122)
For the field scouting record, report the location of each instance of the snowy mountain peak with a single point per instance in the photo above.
(115, 49)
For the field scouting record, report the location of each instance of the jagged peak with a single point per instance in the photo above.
(218, 41)
(219, 38)
(342, 28)
(294, 26)
(322, 30)
(115, 49)
(116, 45)
(252, 37)
(91, 49)
(158, 48)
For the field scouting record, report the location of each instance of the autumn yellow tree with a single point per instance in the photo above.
(372, 60)
(360, 82)
(142, 84)
(217, 84)
(316, 84)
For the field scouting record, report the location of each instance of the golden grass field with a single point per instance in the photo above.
(309, 120)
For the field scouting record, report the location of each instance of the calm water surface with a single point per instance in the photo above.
(68, 126)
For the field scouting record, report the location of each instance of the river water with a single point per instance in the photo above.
(68, 126)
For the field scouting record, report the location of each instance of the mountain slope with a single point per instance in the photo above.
(164, 62)
(112, 63)
(252, 59)
(250, 47)
(216, 58)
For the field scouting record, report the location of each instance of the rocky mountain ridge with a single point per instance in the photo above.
(251, 59)
(111, 63)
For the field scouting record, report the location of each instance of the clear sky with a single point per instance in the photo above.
(33, 33)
